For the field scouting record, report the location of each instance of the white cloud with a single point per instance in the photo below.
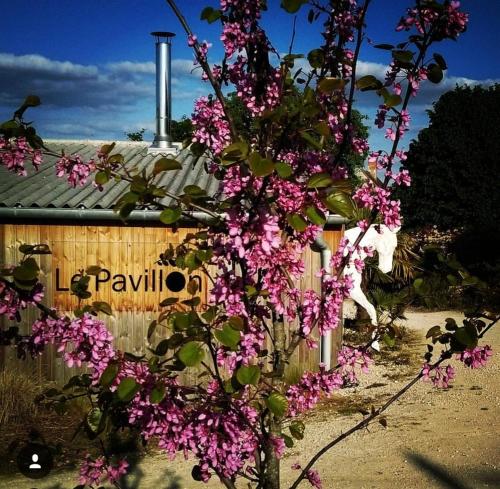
(180, 67)
(33, 63)
(115, 86)
(105, 101)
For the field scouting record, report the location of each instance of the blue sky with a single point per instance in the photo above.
(91, 62)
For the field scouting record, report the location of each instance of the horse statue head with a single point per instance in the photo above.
(384, 241)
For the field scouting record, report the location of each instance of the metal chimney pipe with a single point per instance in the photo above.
(163, 139)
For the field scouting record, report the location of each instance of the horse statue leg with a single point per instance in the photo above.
(358, 296)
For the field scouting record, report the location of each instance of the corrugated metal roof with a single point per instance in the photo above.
(43, 189)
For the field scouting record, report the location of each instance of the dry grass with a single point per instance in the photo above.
(17, 394)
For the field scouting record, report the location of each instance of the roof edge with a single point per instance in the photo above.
(88, 215)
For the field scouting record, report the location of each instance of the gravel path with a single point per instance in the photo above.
(432, 436)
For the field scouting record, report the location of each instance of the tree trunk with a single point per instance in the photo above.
(272, 475)
(272, 463)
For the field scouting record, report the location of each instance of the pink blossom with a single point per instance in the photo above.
(84, 340)
(304, 395)
(11, 303)
(475, 357)
(312, 476)
(278, 444)
(372, 196)
(438, 375)
(96, 471)
(210, 125)
(76, 171)
(448, 24)
(14, 153)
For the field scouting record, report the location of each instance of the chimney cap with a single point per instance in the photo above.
(160, 34)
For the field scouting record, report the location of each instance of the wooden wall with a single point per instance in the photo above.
(130, 255)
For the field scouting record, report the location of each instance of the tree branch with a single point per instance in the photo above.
(377, 412)
(206, 68)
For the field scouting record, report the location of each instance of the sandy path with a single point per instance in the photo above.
(453, 433)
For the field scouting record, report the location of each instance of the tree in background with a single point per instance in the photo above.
(136, 136)
(243, 122)
(182, 129)
(454, 163)
(179, 130)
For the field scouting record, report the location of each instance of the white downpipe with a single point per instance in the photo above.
(325, 348)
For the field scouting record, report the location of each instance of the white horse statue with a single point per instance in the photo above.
(384, 241)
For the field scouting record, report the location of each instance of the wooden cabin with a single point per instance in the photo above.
(81, 229)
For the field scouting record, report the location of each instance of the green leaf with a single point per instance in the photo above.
(451, 324)
(182, 320)
(368, 82)
(101, 178)
(94, 418)
(228, 336)
(194, 191)
(434, 331)
(107, 148)
(175, 340)
(277, 404)
(166, 164)
(404, 58)
(210, 14)
(157, 394)
(297, 429)
(392, 100)
(320, 180)
(330, 84)
(288, 441)
(292, 6)
(162, 347)
(236, 322)
(127, 389)
(310, 140)
(32, 101)
(434, 73)
(169, 301)
(316, 58)
(297, 222)
(102, 306)
(387, 47)
(389, 340)
(191, 354)
(315, 216)
(261, 167)
(209, 314)
(26, 249)
(248, 375)
(235, 152)
(93, 270)
(170, 215)
(283, 169)
(9, 125)
(152, 328)
(340, 203)
(109, 374)
(323, 129)
(440, 61)
(26, 271)
(418, 285)
(116, 158)
(197, 149)
(467, 337)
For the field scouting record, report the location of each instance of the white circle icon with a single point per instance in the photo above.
(35, 464)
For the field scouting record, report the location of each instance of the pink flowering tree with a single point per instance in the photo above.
(276, 190)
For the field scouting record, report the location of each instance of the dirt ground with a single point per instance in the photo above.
(434, 438)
